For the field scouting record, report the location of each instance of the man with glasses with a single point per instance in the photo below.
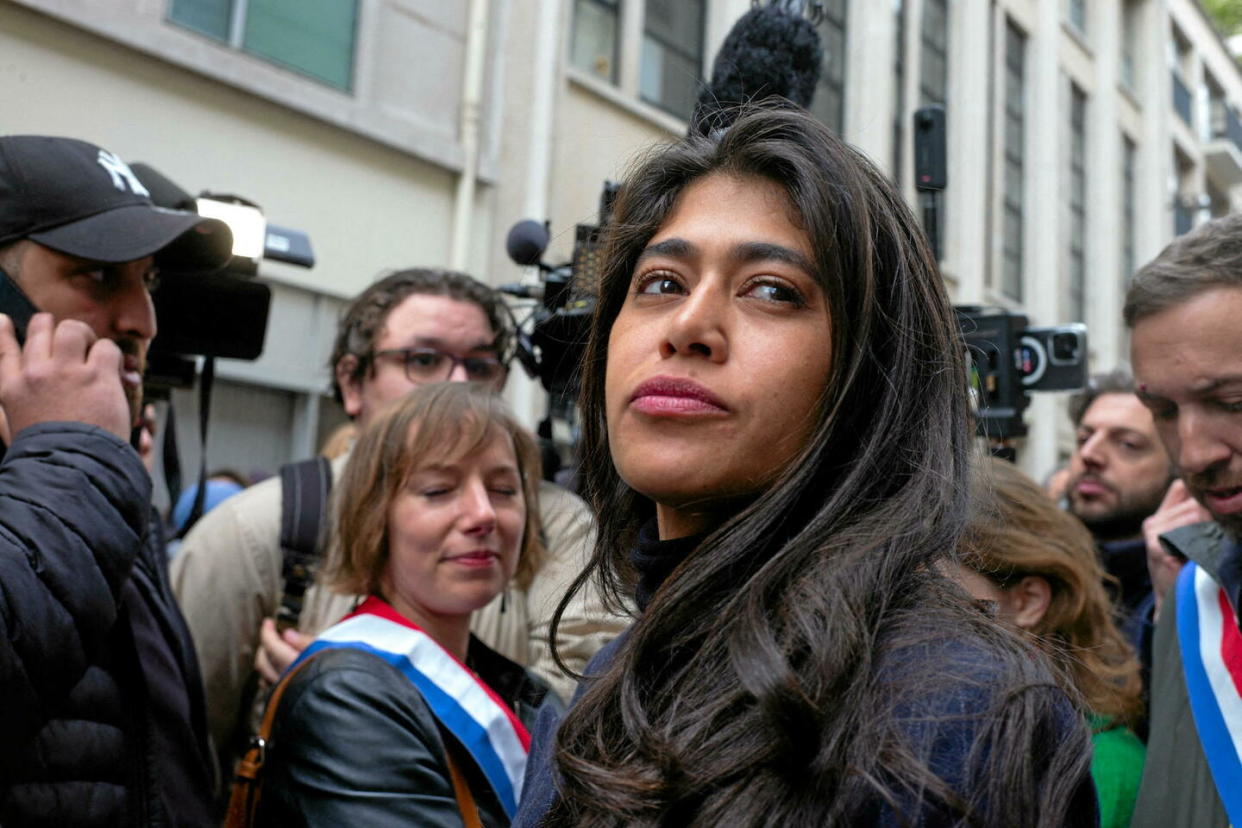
(413, 327)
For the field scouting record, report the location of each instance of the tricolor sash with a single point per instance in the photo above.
(1207, 629)
(460, 701)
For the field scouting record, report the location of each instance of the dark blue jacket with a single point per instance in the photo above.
(942, 727)
(101, 704)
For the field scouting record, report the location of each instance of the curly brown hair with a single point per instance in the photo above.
(364, 319)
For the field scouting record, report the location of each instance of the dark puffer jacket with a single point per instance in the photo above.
(100, 701)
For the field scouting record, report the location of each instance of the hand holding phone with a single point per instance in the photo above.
(63, 373)
(1177, 509)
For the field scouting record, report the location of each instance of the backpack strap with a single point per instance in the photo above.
(248, 779)
(303, 519)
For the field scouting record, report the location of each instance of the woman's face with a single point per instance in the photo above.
(719, 356)
(454, 533)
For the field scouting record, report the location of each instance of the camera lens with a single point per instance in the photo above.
(1065, 346)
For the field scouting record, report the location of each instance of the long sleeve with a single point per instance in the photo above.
(226, 577)
(73, 514)
(354, 744)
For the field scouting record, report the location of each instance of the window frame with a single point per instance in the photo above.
(235, 38)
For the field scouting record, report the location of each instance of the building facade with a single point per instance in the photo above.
(1082, 135)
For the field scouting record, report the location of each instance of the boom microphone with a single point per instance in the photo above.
(526, 242)
(770, 52)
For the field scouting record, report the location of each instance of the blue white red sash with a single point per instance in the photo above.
(1207, 629)
(463, 704)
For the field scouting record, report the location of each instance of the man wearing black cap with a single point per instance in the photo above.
(101, 704)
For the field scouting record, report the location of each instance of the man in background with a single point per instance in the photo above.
(1118, 475)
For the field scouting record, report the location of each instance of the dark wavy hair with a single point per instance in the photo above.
(764, 682)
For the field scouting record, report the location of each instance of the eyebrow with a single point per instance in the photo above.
(1206, 388)
(1213, 385)
(454, 466)
(441, 345)
(743, 253)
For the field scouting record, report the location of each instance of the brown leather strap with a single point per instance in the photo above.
(465, 800)
(247, 784)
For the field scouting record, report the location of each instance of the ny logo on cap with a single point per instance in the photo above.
(121, 174)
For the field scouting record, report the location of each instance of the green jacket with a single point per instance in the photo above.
(1116, 768)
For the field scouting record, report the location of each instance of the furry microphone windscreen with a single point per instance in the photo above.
(769, 52)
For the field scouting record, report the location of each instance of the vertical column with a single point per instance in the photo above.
(1046, 241)
(1156, 179)
(1104, 288)
(304, 429)
(870, 85)
(970, 67)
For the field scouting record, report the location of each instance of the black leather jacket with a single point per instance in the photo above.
(355, 744)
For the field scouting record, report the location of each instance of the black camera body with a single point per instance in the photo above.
(550, 351)
(1007, 360)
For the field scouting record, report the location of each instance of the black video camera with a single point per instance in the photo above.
(221, 314)
(561, 320)
(1007, 360)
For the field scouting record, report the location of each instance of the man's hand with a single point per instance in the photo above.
(1176, 510)
(64, 372)
(277, 650)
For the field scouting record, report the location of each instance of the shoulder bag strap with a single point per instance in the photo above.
(303, 517)
(461, 790)
(248, 781)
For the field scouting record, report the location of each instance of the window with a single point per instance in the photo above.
(828, 104)
(934, 43)
(1077, 14)
(312, 37)
(1129, 157)
(672, 55)
(594, 46)
(1014, 201)
(1077, 204)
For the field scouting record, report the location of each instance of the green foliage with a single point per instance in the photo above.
(1227, 14)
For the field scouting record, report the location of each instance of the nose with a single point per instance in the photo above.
(133, 313)
(1200, 447)
(1092, 452)
(697, 327)
(458, 373)
(478, 515)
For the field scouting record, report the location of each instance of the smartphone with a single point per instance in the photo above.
(16, 305)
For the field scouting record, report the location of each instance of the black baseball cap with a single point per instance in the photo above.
(80, 199)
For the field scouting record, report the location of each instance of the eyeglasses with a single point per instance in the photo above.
(430, 365)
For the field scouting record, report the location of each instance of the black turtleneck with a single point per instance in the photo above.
(655, 560)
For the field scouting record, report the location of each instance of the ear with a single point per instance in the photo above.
(351, 388)
(1027, 601)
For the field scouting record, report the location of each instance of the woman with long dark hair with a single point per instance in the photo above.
(775, 435)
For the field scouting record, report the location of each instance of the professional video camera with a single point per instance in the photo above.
(551, 339)
(1007, 360)
(210, 315)
(221, 314)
